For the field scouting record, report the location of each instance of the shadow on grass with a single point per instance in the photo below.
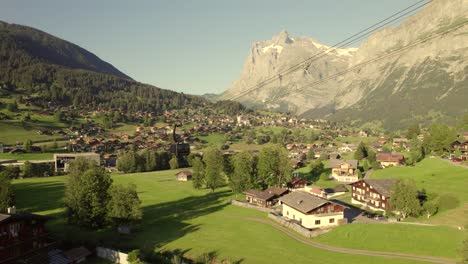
(40, 196)
(161, 224)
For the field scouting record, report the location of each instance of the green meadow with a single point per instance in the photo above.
(176, 216)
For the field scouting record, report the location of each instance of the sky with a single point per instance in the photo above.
(191, 46)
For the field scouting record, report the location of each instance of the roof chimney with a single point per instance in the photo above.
(11, 210)
(299, 202)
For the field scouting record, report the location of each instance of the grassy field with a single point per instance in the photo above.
(433, 174)
(436, 176)
(13, 131)
(27, 156)
(245, 146)
(397, 238)
(196, 221)
(213, 139)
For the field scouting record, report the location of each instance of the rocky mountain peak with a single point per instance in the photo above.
(282, 38)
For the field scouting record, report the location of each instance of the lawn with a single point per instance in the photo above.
(433, 174)
(176, 216)
(436, 176)
(442, 240)
(214, 139)
(27, 156)
(245, 146)
(13, 131)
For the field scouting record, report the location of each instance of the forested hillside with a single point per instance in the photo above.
(47, 69)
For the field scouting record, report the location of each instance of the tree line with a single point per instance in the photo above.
(242, 171)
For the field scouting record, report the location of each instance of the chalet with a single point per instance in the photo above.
(388, 159)
(400, 142)
(21, 234)
(461, 146)
(266, 198)
(185, 175)
(373, 193)
(297, 183)
(311, 211)
(344, 170)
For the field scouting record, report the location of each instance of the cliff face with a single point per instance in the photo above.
(271, 57)
(422, 83)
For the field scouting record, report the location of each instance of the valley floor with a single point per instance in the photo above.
(176, 216)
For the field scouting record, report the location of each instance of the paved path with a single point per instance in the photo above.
(311, 243)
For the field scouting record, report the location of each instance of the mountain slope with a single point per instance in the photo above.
(425, 82)
(38, 46)
(46, 69)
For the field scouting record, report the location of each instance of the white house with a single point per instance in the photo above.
(311, 211)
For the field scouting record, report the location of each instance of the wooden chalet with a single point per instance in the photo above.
(373, 193)
(266, 198)
(297, 183)
(388, 159)
(22, 234)
(311, 211)
(459, 145)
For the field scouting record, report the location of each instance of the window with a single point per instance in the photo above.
(317, 222)
(287, 212)
(331, 220)
(294, 217)
(300, 220)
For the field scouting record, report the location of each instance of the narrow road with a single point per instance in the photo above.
(311, 243)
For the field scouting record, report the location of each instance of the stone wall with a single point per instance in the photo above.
(297, 227)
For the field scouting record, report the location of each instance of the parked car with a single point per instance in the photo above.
(457, 160)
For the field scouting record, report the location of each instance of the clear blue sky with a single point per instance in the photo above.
(191, 46)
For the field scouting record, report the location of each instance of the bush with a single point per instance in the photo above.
(324, 177)
(447, 202)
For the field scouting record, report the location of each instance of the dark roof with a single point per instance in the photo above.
(383, 186)
(259, 194)
(21, 216)
(77, 253)
(390, 157)
(276, 191)
(302, 201)
(185, 172)
(335, 163)
(298, 180)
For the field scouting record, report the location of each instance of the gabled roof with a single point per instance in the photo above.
(260, 194)
(303, 202)
(390, 157)
(185, 172)
(276, 191)
(383, 186)
(335, 163)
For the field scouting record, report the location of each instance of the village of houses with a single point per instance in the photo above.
(300, 205)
